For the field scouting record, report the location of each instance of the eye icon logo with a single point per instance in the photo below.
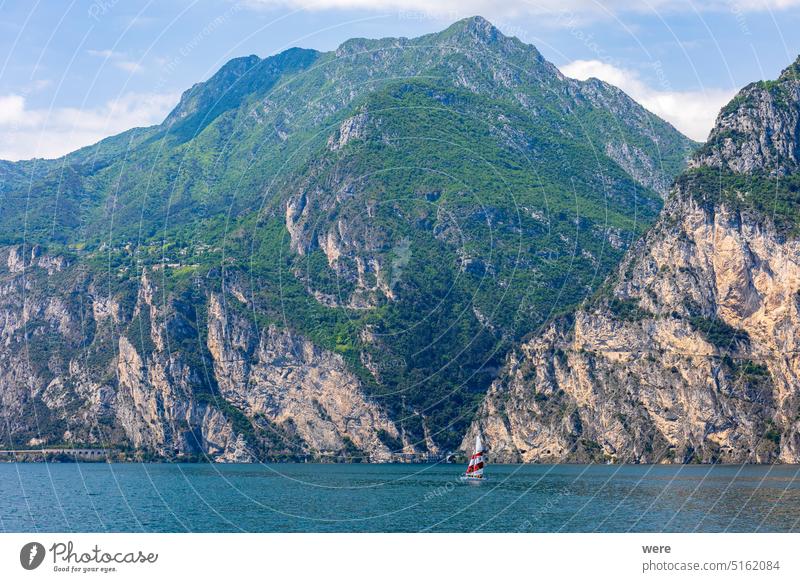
(31, 555)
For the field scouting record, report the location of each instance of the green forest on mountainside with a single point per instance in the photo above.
(482, 182)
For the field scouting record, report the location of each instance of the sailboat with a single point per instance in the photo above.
(474, 472)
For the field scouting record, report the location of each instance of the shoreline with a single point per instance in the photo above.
(66, 459)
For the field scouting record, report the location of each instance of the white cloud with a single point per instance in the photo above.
(754, 5)
(28, 133)
(117, 59)
(493, 8)
(692, 112)
(12, 109)
(129, 66)
(105, 53)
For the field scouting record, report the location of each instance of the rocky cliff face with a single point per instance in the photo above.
(84, 366)
(758, 130)
(287, 380)
(692, 352)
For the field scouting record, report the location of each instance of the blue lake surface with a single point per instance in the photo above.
(82, 497)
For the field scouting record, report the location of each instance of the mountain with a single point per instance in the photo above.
(689, 353)
(324, 254)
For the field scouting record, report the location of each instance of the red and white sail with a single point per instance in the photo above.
(475, 467)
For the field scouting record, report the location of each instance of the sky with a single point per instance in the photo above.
(73, 72)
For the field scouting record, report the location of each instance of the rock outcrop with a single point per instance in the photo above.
(84, 367)
(287, 380)
(758, 130)
(692, 350)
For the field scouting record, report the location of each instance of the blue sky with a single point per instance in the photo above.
(74, 72)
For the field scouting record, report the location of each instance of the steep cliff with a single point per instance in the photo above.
(83, 364)
(319, 255)
(284, 378)
(691, 352)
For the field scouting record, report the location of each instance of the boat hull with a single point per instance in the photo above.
(472, 480)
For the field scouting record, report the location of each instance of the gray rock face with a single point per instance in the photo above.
(289, 381)
(759, 130)
(636, 163)
(81, 366)
(643, 378)
(691, 353)
(351, 128)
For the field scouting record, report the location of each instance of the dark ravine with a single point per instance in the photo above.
(317, 255)
(692, 351)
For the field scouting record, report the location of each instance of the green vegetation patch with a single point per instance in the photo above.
(774, 197)
(719, 333)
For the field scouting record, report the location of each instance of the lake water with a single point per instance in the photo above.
(396, 498)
